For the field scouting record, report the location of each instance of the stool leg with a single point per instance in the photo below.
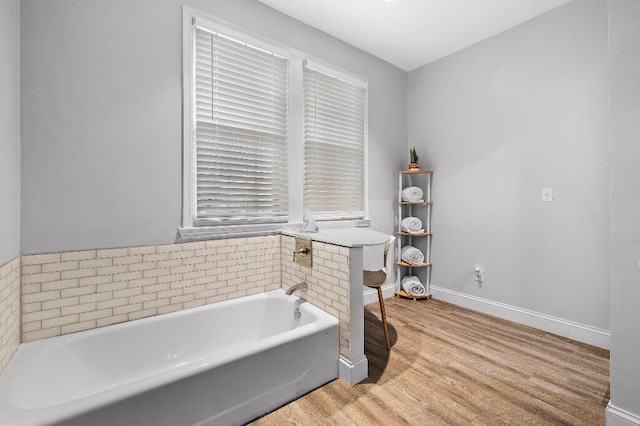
(384, 317)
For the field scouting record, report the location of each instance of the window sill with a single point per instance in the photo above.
(239, 231)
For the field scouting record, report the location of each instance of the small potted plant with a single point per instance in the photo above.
(413, 159)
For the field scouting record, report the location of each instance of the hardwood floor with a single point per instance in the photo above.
(452, 366)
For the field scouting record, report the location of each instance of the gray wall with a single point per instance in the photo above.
(9, 130)
(624, 33)
(101, 105)
(499, 121)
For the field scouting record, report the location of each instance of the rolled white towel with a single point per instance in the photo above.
(412, 194)
(411, 224)
(412, 286)
(412, 255)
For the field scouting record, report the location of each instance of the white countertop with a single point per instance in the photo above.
(345, 237)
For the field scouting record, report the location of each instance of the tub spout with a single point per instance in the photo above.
(300, 286)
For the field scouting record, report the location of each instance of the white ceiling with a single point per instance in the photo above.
(412, 33)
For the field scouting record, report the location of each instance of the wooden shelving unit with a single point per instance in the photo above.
(422, 241)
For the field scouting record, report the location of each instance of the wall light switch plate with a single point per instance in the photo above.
(547, 194)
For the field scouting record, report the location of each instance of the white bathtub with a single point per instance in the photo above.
(220, 364)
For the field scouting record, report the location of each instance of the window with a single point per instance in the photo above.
(240, 131)
(334, 146)
(266, 135)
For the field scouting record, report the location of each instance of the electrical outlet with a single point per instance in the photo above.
(479, 273)
(547, 194)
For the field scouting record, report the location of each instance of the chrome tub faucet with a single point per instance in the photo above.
(298, 287)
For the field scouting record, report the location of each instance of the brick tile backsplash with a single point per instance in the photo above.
(9, 311)
(328, 282)
(74, 291)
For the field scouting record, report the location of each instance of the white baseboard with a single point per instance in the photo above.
(618, 417)
(353, 372)
(572, 330)
(371, 295)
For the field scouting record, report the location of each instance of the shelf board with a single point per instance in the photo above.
(415, 172)
(423, 203)
(405, 295)
(419, 234)
(417, 265)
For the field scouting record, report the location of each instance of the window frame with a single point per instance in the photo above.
(193, 229)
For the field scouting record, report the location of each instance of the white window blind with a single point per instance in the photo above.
(334, 146)
(240, 130)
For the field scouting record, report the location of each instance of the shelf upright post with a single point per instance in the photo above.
(399, 239)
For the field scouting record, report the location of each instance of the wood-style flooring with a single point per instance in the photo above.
(453, 366)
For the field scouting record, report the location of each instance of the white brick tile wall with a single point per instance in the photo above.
(74, 291)
(328, 282)
(10, 276)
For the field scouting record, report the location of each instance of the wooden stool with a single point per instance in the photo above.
(375, 279)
